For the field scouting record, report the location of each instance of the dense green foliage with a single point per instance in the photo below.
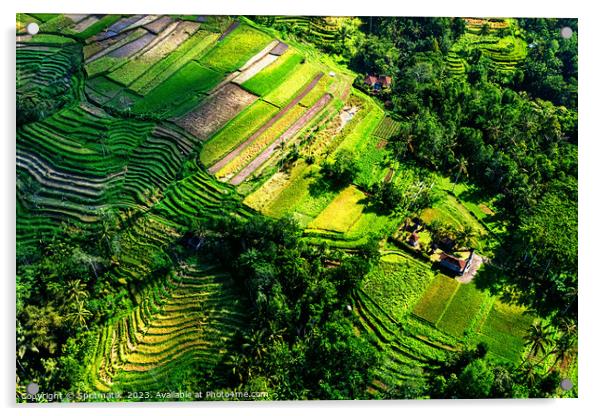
(141, 267)
(301, 340)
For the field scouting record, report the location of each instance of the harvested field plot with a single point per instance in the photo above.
(164, 44)
(191, 49)
(255, 68)
(216, 111)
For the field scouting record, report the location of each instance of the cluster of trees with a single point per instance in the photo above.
(301, 342)
(515, 138)
(469, 374)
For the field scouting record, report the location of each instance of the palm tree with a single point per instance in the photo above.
(240, 368)
(255, 343)
(529, 375)
(538, 338)
(567, 326)
(75, 292)
(466, 236)
(563, 350)
(79, 315)
(462, 168)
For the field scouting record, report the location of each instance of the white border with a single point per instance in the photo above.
(589, 198)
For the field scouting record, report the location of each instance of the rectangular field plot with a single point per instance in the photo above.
(216, 111)
(462, 310)
(387, 128)
(163, 45)
(504, 329)
(192, 48)
(436, 298)
(293, 84)
(342, 212)
(236, 131)
(273, 75)
(235, 49)
(191, 80)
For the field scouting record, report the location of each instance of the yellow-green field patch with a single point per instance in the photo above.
(436, 298)
(342, 212)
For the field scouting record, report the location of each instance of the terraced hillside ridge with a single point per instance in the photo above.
(498, 39)
(187, 321)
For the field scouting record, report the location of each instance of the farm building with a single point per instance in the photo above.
(378, 83)
(455, 264)
(414, 237)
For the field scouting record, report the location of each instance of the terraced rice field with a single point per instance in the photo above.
(506, 51)
(276, 73)
(179, 120)
(188, 320)
(236, 131)
(411, 349)
(262, 137)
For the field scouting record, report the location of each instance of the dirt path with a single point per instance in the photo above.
(234, 153)
(287, 135)
(474, 267)
(229, 30)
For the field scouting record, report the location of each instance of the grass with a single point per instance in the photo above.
(193, 48)
(261, 142)
(503, 331)
(190, 80)
(342, 213)
(236, 131)
(235, 49)
(355, 139)
(293, 84)
(462, 310)
(292, 194)
(397, 283)
(436, 298)
(273, 75)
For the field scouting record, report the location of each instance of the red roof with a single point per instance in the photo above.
(414, 237)
(453, 260)
(385, 80)
(371, 80)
